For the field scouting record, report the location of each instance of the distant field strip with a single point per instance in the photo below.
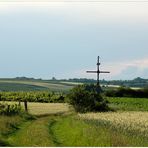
(134, 122)
(72, 83)
(43, 108)
(128, 104)
(42, 84)
(5, 86)
(47, 108)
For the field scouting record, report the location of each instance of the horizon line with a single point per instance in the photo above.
(89, 1)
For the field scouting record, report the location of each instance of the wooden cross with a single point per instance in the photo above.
(98, 71)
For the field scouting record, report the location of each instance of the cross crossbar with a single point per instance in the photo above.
(98, 71)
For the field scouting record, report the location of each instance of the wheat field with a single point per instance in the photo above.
(131, 121)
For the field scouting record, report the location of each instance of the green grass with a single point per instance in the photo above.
(128, 104)
(71, 131)
(8, 124)
(55, 126)
(33, 133)
(68, 130)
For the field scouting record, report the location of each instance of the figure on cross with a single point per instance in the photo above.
(98, 71)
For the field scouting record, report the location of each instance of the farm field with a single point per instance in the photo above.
(56, 125)
(43, 85)
(39, 109)
(28, 85)
(128, 104)
(131, 123)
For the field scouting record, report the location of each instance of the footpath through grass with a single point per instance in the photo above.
(55, 125)
(33, 133)
(67, 130)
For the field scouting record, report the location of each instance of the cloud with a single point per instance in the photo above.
(113, 12)
(118, 70)
(128, 69)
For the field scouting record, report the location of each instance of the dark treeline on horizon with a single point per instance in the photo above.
(137, 82)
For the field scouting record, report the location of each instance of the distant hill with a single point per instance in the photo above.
(31, 84)
(63, 85)
(137, 82)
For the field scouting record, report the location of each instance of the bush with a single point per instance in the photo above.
(7, 109)
(127, 92)
(86, 98)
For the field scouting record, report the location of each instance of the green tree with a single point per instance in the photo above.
(86, 98)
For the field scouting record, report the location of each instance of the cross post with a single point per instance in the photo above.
(98, 71)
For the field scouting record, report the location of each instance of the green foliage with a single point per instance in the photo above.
(4, 143)
(9, 125)
(7, 109)
(128, 104)
(85, 98)
(127, 92)
(73, 131)
(36, 96)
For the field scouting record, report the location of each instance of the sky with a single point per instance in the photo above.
(62, 39)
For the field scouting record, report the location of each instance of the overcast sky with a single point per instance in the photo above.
(63, 39)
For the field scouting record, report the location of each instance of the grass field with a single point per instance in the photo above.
(70, 130)
(47, 108)
(128, 104)
(44, 108)
(135, 122)
(56, 125)
(33, 133)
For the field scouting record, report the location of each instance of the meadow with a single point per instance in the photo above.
(56, 124)
(50, 121)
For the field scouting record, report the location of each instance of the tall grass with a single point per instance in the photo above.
(128, 128)
(33, 133)
(74, 131)
(132, 124)
(8, 123)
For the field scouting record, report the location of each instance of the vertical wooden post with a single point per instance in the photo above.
(19, 103)
(25, 105)
(8, 110)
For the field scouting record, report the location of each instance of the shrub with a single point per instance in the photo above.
(127, 92)
(7, 109)
(86, 98)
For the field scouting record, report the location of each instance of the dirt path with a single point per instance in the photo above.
(33, 133)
